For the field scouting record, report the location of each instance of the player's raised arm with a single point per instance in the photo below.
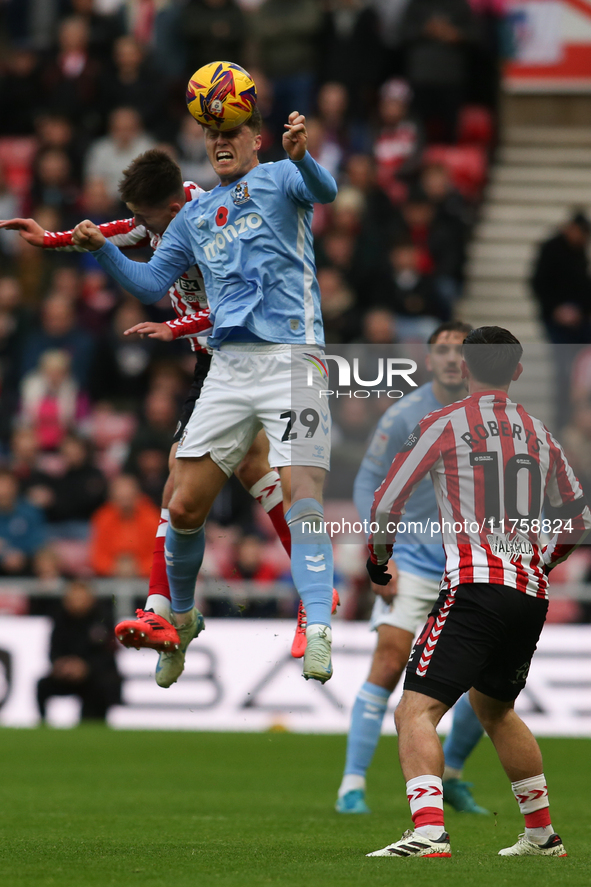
(316, 183)
(124, 233)
(148, 282)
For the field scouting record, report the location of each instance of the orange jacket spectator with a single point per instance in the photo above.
(123, 531)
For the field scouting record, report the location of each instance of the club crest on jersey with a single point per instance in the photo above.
(240, 193)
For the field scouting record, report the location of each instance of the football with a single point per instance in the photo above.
(221, 95)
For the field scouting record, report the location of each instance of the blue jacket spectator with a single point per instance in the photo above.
(22, 529)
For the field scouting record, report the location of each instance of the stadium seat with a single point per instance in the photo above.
(475, 126)
(466, 164)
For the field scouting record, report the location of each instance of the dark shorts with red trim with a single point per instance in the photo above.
(202, 365)
(478, 635)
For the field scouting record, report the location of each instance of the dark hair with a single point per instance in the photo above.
(152, 179)
(255, 121)
(450, 326)
(496, 364)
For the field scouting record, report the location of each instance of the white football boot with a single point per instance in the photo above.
(317, 660)
(413, 844)
(171, 664)
(523, 847)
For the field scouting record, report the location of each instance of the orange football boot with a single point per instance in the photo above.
(148, 630)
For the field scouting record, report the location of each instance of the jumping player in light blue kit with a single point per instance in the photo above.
(402, 607)
(251, 236)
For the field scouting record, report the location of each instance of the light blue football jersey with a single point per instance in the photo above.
(414, 552)
(253, 242)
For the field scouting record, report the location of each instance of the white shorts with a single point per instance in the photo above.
(411, 606)
(249, 387)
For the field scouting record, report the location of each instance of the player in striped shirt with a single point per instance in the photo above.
(493, 466)
(153, 189)
(401, 608)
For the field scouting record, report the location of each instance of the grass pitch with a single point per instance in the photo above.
(96, 807)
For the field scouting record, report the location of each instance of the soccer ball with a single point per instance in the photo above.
(221, 95)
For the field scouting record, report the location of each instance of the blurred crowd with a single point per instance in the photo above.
(400, 98)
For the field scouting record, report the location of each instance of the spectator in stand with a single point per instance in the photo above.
(70, 80)
(123, 531)
(284, 44)
(402, 287)
(333, 110)
(22, 529)
(98, 205)
(339, 313)
(14, 323)
(323, 149)
(20, 96)
(82, 656)
(351, 51)
(576, 440)
(54, 186)
(249, 562)
(379, 327)
(103, 28)
(212, 30)
(35, 484)
(562, 285)
(436, 35)
(398, 142)
(59, 331)
(57, 132)
(440, 241)
(378, 210)
(150, 446)
(108, 156)
(132, 80)
(98, 301)
(51, 400)
(436, 184)
(120, 369)
(76, 493)
(192, 154)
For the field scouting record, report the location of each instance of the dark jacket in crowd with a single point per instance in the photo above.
(561, 276)
(77, 494)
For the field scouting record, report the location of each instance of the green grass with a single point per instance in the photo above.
(96, 807)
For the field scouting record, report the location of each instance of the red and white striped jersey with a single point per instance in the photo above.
(492, 465)
(187, 294)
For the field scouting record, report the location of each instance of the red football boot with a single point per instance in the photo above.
(298, 646)
(148, 630)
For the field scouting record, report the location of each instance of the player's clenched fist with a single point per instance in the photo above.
(87, 235)
(295, 139)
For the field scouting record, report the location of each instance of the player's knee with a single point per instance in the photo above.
(185, 515)
(388, 664)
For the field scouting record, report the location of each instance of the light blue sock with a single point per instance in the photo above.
(311, 559)
(183, 552)
(465, 734)
(366, 725)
